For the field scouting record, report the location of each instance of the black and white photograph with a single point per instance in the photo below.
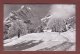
(39, 27)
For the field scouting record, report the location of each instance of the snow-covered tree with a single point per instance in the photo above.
(19, 21)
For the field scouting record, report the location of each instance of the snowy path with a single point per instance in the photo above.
(48, 44)
(36, 41)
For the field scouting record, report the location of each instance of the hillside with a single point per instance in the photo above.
(37, 41)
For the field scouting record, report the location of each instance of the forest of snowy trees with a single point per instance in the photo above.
(58, 20)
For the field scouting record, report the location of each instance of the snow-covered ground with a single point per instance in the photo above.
(49, 39)
(46, 36)
(71, 35)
